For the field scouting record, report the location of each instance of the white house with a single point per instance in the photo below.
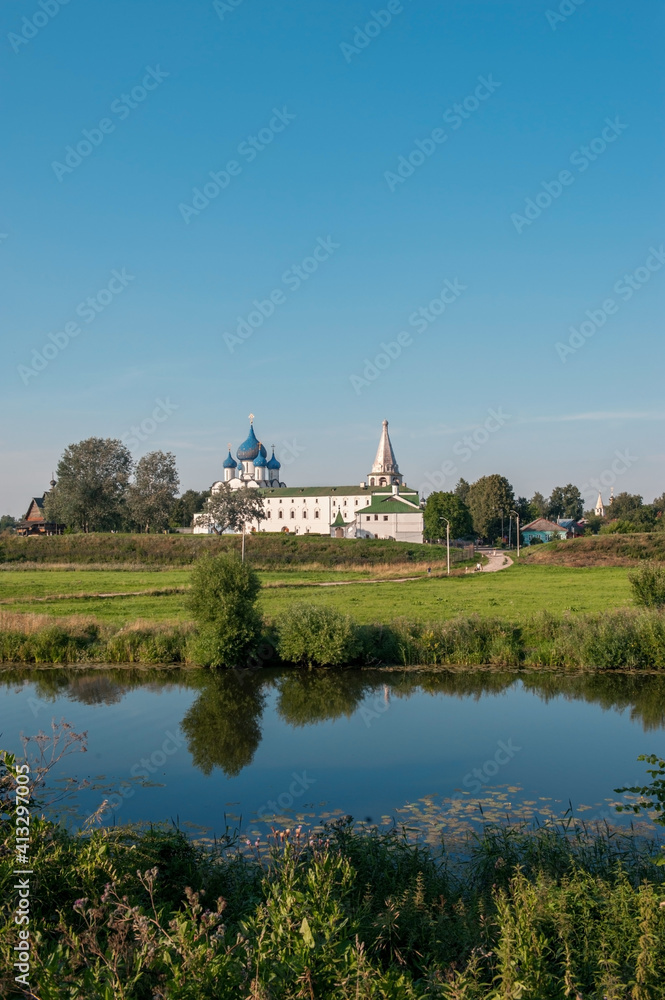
(379, 507)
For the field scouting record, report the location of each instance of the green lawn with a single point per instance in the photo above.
(514, 593)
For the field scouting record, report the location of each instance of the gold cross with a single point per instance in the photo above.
(251, 418)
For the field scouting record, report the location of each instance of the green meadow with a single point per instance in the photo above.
(515, 593)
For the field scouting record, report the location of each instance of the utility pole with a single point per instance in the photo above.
(517, 517)
(447, 543)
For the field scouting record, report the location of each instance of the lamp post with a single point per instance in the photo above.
(518, 531)
(447, 544)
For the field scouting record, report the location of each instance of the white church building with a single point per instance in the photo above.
(381, 506)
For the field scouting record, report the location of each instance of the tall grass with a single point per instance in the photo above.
(30, 638)
(543, 914)
(623, 639)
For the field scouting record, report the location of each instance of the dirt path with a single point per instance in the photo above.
(496, 561)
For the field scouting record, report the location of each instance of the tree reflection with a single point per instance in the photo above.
(306, 697)
(223, 726)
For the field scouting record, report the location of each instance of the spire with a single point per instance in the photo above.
(385, 462)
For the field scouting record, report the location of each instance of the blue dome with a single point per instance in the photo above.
(250, 448)
(273, 463)
(229, 462)
(260, 460)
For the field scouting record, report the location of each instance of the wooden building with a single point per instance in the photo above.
(35, 523)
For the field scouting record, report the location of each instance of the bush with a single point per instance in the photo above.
(648, 585)
(223, 603)
(317, 636)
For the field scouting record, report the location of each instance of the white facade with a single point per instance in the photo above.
(381, 507)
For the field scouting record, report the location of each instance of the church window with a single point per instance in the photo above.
(293, 513)
(385, 517)
(304, 513)
(269, 513)
(280, 513)
(382, 481)
(376, 517)
(367, 517)
(316, 513)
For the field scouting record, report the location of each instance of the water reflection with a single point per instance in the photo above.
(223, 725)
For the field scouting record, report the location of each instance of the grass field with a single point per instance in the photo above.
(514, 593)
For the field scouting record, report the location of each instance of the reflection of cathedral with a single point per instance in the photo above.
(380, 507)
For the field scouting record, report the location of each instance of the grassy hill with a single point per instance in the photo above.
(599, 550)
(263, 551)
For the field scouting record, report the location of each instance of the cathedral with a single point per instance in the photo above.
(381, 506)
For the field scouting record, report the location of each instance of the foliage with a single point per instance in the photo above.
(186, 506)
(92, 480)
(537, 507)
(317, 636)
(653, 794)
(648, 585)
(231, 510)
(565, 501)
(7, 522)
(151, 497)
(462, 490)
(446, 505)
(488, 499)
(541, 913)
(222, 601)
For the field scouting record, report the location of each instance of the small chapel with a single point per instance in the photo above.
(380, 506)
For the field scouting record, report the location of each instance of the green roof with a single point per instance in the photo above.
(330, 491)
(388, 507)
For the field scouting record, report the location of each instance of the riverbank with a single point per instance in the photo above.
(359, 915)
(622, 639)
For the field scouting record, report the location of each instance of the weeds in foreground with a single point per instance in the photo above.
(134, 914)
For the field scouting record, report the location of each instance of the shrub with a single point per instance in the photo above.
(223, 603)
(648, 585)
(317, 636)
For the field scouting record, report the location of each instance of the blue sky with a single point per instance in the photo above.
(332, 120)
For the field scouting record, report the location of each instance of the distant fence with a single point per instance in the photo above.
(459, 552)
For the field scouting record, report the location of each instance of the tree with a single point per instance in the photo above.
(538, 505)
(90, 494)
(450, 506)
(624, 507)
(7, 522)
(186, 506)
(462, 490)
(151, 496)
(526, 510)
(565, 501)
(223, 603)
(229, 509)
(488, 499)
